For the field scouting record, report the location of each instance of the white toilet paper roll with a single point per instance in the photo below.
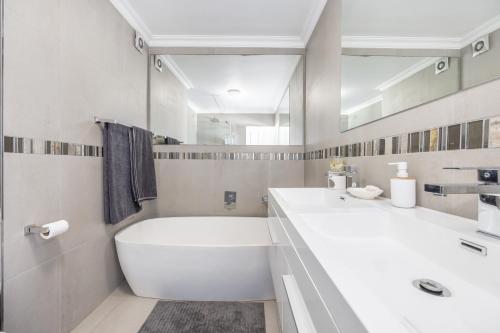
(55, 229)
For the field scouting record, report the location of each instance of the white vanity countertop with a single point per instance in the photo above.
(372, 252)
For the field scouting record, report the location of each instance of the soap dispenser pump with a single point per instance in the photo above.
(403, 188)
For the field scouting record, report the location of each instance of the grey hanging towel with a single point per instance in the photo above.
(143, 165)
(119, 200)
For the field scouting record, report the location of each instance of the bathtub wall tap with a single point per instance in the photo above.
(229, 200)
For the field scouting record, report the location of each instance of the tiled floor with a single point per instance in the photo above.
(123, 312)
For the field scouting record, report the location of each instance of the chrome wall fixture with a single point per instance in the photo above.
(481, 45)
(139, 42)
(102, 121)
(35, 229)
(442, 65)
(158, 63)
(99, 120)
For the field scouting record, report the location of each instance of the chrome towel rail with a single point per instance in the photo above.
(111, 121)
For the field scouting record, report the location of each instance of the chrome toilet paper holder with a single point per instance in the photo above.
(35, 229)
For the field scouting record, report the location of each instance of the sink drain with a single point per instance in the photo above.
(431, 287)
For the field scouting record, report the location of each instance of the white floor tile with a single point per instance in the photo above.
(123, 312)
(272, 322)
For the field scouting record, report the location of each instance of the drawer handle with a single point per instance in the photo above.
(270, 222)
(301, 315)
(272, 235)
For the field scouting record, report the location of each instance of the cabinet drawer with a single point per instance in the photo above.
(296, 317)
(319, 313)
(341, 313)
(294, 269)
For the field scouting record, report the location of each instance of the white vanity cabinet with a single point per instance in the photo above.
(280, 269)
(300, 307)
(333, 257)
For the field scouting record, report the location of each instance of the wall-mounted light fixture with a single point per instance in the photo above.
(158, 63)
(481, 45)
(139, 42)
(442, 65)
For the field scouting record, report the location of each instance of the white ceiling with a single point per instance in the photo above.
(438, 23)
(245, 23)
(262, 80)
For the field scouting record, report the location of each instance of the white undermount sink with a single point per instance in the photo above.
(319, 198)
(374, 253)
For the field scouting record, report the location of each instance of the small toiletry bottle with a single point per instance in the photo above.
(403, 188)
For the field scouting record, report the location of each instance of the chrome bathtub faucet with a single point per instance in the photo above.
(488, 191)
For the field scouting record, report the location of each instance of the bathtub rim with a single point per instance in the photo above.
(268, 242)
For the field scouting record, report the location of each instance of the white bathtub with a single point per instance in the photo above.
(197, 258)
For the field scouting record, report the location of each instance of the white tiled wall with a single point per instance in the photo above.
(65, 62)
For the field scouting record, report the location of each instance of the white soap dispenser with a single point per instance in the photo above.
(403, 188)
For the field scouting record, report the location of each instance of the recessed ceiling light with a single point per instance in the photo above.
(234, 92)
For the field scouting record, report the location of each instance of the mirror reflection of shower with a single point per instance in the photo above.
(229, 99)
(214, 131)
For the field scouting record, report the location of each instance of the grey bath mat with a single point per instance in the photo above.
(205, 317)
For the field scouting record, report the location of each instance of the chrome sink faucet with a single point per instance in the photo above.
(351, 173)
(488, 191)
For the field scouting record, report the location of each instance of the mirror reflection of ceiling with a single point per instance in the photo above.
(365, 78)
(234, 84)
(445, 23)
(284, 107)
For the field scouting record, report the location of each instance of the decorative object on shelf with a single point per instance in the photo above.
(337, 165)
(442, 65)
(139, 42)
(158, 140)
(336, 176)
(481, 45)
(158, 63)
(369, 192)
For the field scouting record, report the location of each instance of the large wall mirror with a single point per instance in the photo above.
(243, 99)
(396, 56)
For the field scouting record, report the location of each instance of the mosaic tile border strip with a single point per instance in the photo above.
(228, 156)
(478, 134)
(20, 145)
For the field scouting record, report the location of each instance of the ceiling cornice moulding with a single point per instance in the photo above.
(394, 42)
(225, 41)
(389, 42)
(483, 29)
(363, 105)
(312, 20)
(403, 75)
(177, 71)
(135, 21)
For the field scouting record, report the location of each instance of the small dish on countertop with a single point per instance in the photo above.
(368, 193)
